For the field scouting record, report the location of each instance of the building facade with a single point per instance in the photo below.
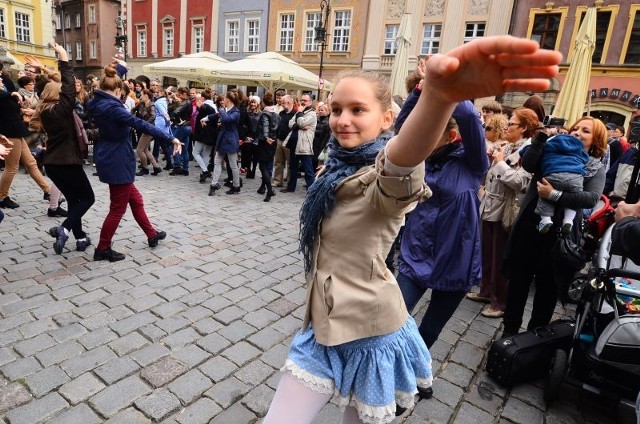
(292, 33)
(26, 29)
(437, 26)
(614, 92)
(161, 30)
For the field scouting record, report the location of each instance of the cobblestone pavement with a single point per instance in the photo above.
(195, 330)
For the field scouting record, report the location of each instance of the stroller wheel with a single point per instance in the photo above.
(556, 376)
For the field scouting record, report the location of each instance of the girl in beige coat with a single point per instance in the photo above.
(358, 344)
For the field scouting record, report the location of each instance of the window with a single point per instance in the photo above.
(78, 20)
(252, 29)
(167, 36)
(198, 38)
(3, 33)
(23, 29)
(545, 30)
(67, 21)
(233, 37)
(78, 50)
(92, 13)
(93, 50)
(142, 43)
(67, 47)
(431, 39)
(58, 21)
(390, 44)
(313, 21)
(632, 55)
(286, 32)
(474, 30)
(341, 31)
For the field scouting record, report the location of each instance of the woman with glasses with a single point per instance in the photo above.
(504, 183)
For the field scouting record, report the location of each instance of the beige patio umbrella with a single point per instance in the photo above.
(400, 65)
(194, 67)
(269, 70)
(575, 89)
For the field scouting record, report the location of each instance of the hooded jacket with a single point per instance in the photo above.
(114, 157)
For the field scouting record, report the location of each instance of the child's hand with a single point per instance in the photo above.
(490, 66)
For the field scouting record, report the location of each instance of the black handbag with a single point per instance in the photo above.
(568, 253)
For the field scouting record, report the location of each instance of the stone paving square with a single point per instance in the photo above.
(196, 329)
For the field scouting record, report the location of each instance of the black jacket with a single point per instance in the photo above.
(625, 239)
(283, 128)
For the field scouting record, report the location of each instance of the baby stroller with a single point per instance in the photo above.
(604, 356)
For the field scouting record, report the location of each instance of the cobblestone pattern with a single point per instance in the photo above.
(195, 330)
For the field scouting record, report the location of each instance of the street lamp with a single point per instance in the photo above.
(321, 38)
(121, 39)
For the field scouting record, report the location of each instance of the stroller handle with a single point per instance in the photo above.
(624, 273)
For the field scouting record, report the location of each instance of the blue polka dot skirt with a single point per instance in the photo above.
(372, 374)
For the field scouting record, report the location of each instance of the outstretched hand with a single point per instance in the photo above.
(62, 53)
(490, 66)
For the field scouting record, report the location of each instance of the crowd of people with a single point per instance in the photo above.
(482, 197)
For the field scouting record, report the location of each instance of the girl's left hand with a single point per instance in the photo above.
(544, 188)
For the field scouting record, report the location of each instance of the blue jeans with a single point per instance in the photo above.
(182, 133)
(441, 307)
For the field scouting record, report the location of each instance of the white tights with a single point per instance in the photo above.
(296, 403)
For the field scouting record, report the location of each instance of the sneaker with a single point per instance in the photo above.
(81, 245)
(8, 203)
(477, 298)
(160, 235)
(108, 255)
(489, 312)
(566, 227)
(544, 227)
(61, 238)
(56, 212)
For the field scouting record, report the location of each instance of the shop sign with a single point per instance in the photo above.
(616, 94)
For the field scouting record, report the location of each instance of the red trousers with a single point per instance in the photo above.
(121, 195)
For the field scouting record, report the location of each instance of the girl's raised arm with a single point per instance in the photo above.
(481, 68)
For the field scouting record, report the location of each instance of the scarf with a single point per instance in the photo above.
(321, 196)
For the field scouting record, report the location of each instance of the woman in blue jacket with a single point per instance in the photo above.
(228, 142)
(116, 162)
(440, 248)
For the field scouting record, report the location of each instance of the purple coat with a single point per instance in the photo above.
(440, 247)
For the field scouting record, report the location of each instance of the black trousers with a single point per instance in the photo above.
(266, 175)
(74, 184)
(530, 260)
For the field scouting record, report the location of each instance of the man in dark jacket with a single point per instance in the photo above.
(625, 238)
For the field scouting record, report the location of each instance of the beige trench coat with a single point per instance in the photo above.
(351, 293)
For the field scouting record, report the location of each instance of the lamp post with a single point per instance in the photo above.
(321, 38)
(121, 39)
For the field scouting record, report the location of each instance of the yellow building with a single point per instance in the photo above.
(26, 29)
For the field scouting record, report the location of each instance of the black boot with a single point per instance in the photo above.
(262, 189)
(142, 171)
(204, 175)
(176, 171)
(213, 188)
(233, 190)
(156, 170)
(269, 195)
(425, 393)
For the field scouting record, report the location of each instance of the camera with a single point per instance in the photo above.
(551, 121)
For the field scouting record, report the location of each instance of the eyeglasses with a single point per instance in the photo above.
(488, 128)
(510, 124)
